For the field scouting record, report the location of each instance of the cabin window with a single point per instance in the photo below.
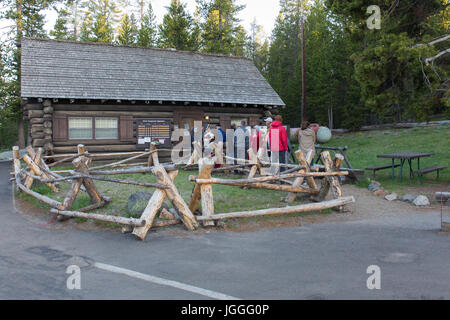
(106, 128)
(80, 128)
(101, 128)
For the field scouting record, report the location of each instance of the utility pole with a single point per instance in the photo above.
(19, 26)
(303, 70)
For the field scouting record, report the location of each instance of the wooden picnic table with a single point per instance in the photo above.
(405, 156)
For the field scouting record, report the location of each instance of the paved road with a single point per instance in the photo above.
(321, 261)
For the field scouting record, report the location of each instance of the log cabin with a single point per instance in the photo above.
(94, 94)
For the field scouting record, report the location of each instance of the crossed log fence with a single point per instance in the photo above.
(82, 178)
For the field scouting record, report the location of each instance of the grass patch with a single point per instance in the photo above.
(365, 146)
(226, 198)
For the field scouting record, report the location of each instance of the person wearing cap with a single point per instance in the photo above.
(255, 139)
(268, 122)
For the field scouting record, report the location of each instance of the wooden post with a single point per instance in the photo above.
(204, 173)
(330, 182)
(36, 157)
(16, 160)
(256, 166)
(206, 166)
(196, 154)
(153, 159)
(81, 165)
(38, 172)
(172, 193)
(152, 208)
(304, 162)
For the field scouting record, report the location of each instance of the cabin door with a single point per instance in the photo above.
(188, 123)
(185, 119)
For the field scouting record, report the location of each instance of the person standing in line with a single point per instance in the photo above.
(268, 122)
(255, 139)
(278, 141)
(306, 137)
(223, 138)
(241, 142)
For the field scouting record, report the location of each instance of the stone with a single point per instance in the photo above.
(421, 201)
(373, 187)
(380, 192)
(391, 197)
(408, 198)
(137, 202)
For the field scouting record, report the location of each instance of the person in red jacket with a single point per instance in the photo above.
(278, 141)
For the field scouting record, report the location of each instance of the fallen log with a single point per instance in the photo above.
(45, 199)
(266, 178)
(275, 211)
(169, 167)
(65, 160)
(114, 164)
(442, 196)
(94, 177)
(257, 185)
(97, 155)
(102, 217)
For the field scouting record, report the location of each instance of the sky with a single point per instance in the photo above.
(265, 12)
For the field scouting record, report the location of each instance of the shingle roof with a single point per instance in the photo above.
(80, 70)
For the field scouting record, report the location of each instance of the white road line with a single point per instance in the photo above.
(165, 282)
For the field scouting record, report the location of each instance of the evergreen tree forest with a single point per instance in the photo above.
(361, 68)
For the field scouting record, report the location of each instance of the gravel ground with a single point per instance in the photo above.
(9, 154)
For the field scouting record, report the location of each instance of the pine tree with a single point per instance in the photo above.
(147, 33)
(28, 18)
(399, 84)
(258, 47)
(100, 19)
(220, 25)
(283, 70)
(127, 30)
(239, 43)
(177, 29)
(61, 29)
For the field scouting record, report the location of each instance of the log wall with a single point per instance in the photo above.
(42, 114)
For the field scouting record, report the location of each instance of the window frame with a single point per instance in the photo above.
(93, 128)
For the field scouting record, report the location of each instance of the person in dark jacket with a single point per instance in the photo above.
(222, 132)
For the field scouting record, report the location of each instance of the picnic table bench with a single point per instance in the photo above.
(421, 172)
(387, 166)
(405, 156)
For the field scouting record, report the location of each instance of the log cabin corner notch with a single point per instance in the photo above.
(90, 93)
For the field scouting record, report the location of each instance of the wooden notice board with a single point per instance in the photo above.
(153, 130)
